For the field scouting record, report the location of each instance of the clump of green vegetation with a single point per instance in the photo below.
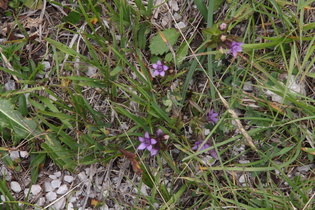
(217, 123)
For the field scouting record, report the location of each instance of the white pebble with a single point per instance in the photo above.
(104, 207)
(57, 174)
(70, 206)
(51, 196)
(55, 183)
(35, 189)
(82, 176)
(68, 178)
(53, 176)
(23, 154)
(14, 155)
(242, 179)
(41, 201)
(10, 85)
(15, 186)
(62, 189)
(48, 187)
(303, 169)
(46, 65)
(60, 204)
(73, 199)
(181, 25)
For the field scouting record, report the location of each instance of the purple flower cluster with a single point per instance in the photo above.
(153, 144)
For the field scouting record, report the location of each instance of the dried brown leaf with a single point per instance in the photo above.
(132, 158)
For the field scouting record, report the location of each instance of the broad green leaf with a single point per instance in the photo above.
(158, 45)
(116, 70)
(38, 4)
(13, 119)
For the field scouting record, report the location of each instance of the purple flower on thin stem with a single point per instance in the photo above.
(147, 142)
(212, 117)
(235, 47)
(198, 144)
(159, 69)
(205, 146)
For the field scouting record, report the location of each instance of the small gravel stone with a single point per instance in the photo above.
(10, 85)
(41, 201)
(15, 186)
(304, 169)
(91, 71)
(51, 196)
(68, 178)
(70, 206)
(26, 191)
(35, 189)
(57, 174)
(2, 197)
(82, 176)
(62, 189)
(104, 207)
(248, 87)
(14, 155)
(55, 183)
(181, 25)
(46, 65)
(242, 179)
(53, 176)
(60, 204)
(48, 187)
(23, 154)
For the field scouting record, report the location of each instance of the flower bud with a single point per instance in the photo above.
(223, 38)
(222, 26)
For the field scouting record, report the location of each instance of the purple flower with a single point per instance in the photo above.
(212, 117)
(147, 143)
(235, 47)
(205, 146)
(159, 69)
(198, 144)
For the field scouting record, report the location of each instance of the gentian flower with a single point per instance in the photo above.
(205, 146)
(147, 142)
(212, 117)
(235, 47)
(197, 145)
(159, 69)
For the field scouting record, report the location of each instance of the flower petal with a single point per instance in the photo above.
(156, 73)
(154, 152)
(146, 135)
(214, 154)
(142, 146)
(155, 66)
(153, 141)
(162, 73)
(141, 139)
(149, 147)
(159, 133)
(159, 63)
